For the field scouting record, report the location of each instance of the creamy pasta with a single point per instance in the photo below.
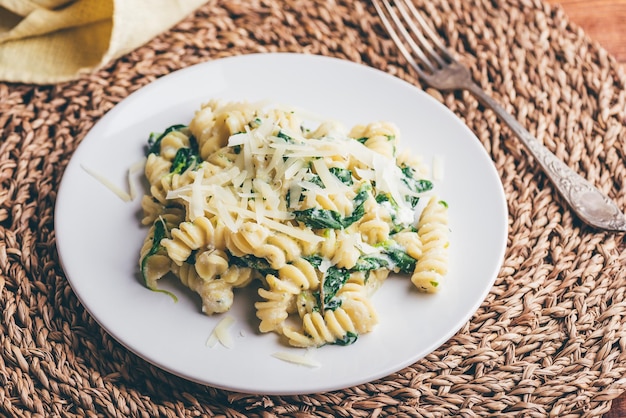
(315, 215)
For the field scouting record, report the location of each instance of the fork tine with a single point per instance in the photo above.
(431, 52)
(435, 38)
(425, 44)
(397, 38)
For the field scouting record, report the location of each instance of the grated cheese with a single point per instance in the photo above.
(221, 333)
(332, 183)
(196, 199)
(126, 197)
(133, 170)
(438, 168)
(302, 234)
(297, 359)
(286, 180)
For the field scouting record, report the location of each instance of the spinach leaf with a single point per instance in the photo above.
(154, 141)
(334, 280)
(349, 338)
(319, 218)
(370, 262)
(259, 264)
(385, 197)
(184, 159)
(343, 174)
(159, 234)
(401, 259)
(333, 304)
(415, 185)
(192, 257)
(315, 179)
(359, 207)
(324, 218)
(315, 260)
(393, 213)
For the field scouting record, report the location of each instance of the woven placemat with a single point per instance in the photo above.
(550, 339)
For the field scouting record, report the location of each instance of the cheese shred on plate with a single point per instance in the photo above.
(221, 333)
(132, 188)
(301, 360)
(314, 215)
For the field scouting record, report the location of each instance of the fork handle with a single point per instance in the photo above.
(591, 205)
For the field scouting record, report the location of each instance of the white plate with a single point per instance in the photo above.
(99, 236)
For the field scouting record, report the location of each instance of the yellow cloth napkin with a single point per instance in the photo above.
(48, 41)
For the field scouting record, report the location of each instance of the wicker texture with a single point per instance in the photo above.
(550, 339)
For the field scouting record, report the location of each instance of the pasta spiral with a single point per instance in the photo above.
(281, 292)
(432, 266)
(156, 265)
(154, 261)
(379, 137)
(356, 315)
(189, 236)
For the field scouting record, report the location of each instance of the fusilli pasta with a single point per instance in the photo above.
(316, 216)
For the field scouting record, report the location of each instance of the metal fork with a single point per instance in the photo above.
(425, 53)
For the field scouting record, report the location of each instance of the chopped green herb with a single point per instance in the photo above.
(284, 136)
(402, 228)
(362, 140)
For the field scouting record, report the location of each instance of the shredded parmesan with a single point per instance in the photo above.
(332, 183)
(133, 170)
(438, 171)
(196, 201)
(221, 333)
(259, 188)
(303, 234)
(126, 197)
(297, 359)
